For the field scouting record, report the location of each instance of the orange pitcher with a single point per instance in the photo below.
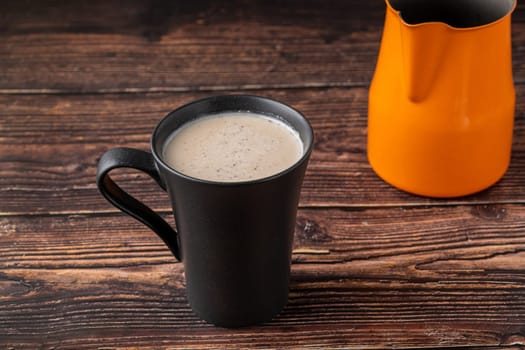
(441, 103)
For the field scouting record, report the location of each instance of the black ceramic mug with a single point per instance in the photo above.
(234, 239)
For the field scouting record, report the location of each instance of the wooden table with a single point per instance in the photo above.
(373, 267)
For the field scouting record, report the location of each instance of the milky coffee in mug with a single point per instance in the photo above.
(233, 147)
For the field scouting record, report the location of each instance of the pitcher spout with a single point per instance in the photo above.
(423, 49)
(426, 28)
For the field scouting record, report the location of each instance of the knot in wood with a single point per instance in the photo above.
(489, 212)
(310, 231)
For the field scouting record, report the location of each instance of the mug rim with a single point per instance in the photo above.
(306, 154)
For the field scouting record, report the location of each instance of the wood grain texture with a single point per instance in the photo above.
(373, 267)
(110, 46)
(50, 145)
(392, 278)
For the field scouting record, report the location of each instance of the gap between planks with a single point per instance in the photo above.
(356, 207)
(180, 89)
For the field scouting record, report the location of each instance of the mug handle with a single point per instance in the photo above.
(143, 161)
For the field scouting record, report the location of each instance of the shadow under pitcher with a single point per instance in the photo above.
(234, 237)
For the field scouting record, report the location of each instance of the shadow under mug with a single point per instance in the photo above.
(234, 239)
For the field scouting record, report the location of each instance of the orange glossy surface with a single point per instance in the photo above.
(441, 106)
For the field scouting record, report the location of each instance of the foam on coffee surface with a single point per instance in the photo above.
(233, 147)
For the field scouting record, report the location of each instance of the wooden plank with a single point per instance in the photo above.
(420, 277)
(103, 46)
(49, 146)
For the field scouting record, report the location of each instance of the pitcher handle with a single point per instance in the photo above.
(143, 161)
